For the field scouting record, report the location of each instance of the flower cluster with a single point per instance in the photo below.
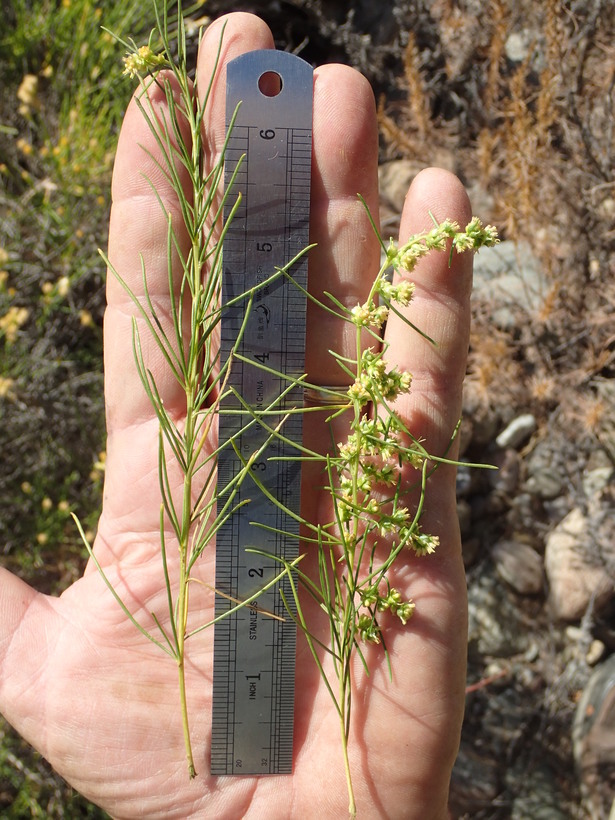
(143, 61)
(372, 600)
(27, 94)
(12, 320)
(6, 388)
(369, 315)
(401, 293)
(422, 543)
(474, 236)
(367, 489)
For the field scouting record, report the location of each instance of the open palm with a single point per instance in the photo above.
(100, 702)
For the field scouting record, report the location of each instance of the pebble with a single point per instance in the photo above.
(545, 483)
(574, 569)
(595, 653)
(517, 432)
(517, 45)
(597, 480)
(519, 566)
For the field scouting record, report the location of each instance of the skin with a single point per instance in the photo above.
(81, 684)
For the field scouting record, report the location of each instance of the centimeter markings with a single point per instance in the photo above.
(254, 653)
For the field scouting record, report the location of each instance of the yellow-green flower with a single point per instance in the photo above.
(12, 320)
(27, 93)
(63, 285)
(6, 388)
(143, 61)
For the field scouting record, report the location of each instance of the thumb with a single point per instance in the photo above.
(26, 630)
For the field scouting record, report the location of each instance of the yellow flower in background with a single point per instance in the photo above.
(99, 467)
(24, 146)
(4, 256)
(63, 285)
(27, 94)
(85, 318)
(6, 388)
(12, 320)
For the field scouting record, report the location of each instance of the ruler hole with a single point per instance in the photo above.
(270, 83)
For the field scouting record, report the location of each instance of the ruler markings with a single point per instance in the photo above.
(254, 681)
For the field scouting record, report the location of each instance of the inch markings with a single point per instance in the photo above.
(254, 647)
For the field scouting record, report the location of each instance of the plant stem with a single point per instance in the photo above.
(184, 704)
(345, 697)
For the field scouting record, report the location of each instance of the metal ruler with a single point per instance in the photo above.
(269, 156)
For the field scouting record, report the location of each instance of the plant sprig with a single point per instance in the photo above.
(367, 477)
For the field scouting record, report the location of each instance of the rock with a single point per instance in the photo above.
(545, 483)
(519, 566)
(517, 432)
(594, 739)
(509, 278)
(494, 620)
(595, 652)
(574, 568)
(596, 480)
(517, 45)
(394, 179)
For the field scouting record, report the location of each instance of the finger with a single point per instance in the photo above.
(226, 38)
(440, 308)
(345, 259)
(26, 624)
(143, 200)
(437, 634)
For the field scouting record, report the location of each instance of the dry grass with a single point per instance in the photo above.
(524, 107)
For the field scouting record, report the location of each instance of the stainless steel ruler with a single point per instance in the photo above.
(268, 160)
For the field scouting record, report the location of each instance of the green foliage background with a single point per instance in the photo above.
(58, 132)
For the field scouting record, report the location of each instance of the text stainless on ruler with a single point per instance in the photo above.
(254, 653)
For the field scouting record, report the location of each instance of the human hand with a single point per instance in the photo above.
(81, 684)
